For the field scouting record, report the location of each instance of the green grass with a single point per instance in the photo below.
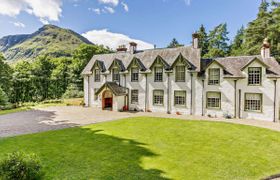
(29, 106)
(154, 148)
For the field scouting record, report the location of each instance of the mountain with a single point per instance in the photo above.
(48, 40)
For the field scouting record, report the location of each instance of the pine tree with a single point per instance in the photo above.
(218, 42)
(203, 40)
(236, 48)
(274, 30)
(174, 43)
(257, 30)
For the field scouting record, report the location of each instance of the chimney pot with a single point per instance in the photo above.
(122, 48)
(265, 51)
(132, 47)
(195, 37)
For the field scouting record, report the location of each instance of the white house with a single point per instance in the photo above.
(178, 80)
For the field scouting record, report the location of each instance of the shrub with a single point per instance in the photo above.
(20, 166)
(72, 91)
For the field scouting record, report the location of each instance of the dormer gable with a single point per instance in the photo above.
(135, 62)
(159, 61)
(117, 64)
(181, 60)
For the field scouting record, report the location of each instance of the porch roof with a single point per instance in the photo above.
(114, 87)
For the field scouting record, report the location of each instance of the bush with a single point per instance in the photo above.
(73, 91)
(20, 166)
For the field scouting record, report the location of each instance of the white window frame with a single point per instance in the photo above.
(180, 75)
(158, 73)
(116, 74)
(158, 97)
(253, 102)
(180, 98)
(97, 75)
(214, 100)
(134, 74)
(134, 96)
(214, 76)
(254, 76)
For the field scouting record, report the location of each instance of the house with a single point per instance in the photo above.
(178, 80)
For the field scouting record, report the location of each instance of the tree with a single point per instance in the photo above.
(81, 57)
(274, 30)
(218, 42)
(236, 48)
(3, 98)
(257, 30)
(203, 40)
(174, 43)
(5, 75)
(41, 73)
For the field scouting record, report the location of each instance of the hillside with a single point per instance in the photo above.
(48, 40)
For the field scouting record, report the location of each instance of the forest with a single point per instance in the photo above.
(53, 78)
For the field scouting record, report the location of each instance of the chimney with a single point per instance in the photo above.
(195, 37)
(265, 51)
(122, 48)
(132, 47)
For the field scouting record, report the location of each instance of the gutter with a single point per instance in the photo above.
(202, 104)
(191, 113)
(168, 93)
(146, 92)
(235, 96)
(275, 99)
(88, 91)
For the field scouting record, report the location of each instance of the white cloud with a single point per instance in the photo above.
(109, 10)
(125, 6)
(188, 2)
(110, 2)
(113, 40)
(43, 9)
(18, 24)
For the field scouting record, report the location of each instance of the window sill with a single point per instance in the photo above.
(180, 106)
(217, 109)
(249, 111)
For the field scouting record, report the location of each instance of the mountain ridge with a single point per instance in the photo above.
(48, 40)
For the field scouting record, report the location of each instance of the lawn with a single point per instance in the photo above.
(29, 106)
(153, 148)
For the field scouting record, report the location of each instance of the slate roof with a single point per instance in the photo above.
(147, 57)
(234, 65)
(114, 87)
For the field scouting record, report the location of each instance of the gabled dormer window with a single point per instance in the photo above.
(214, 76)
(158, 74)
(116, 74)
(180, 75)
(97, 75)
(134, 74)
(254, 76)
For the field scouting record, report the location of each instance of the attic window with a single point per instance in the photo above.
(116, 74)
(158, 74)
(134, 74)
(97, 75)
(254, 76)
(214, 76)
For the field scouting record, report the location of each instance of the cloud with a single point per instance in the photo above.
(188, 2)
(110, 2)
(109, 10)
(113, 40)
(125, 6)
(45, 10)
(18, 24)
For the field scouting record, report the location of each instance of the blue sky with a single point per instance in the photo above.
(112, 22)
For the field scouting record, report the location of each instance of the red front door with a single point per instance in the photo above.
(108, 103)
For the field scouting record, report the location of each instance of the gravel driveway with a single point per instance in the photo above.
(52, 118)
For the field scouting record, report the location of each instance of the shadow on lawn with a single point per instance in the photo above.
(80, 153)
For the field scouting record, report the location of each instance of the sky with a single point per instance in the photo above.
(116, 22)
